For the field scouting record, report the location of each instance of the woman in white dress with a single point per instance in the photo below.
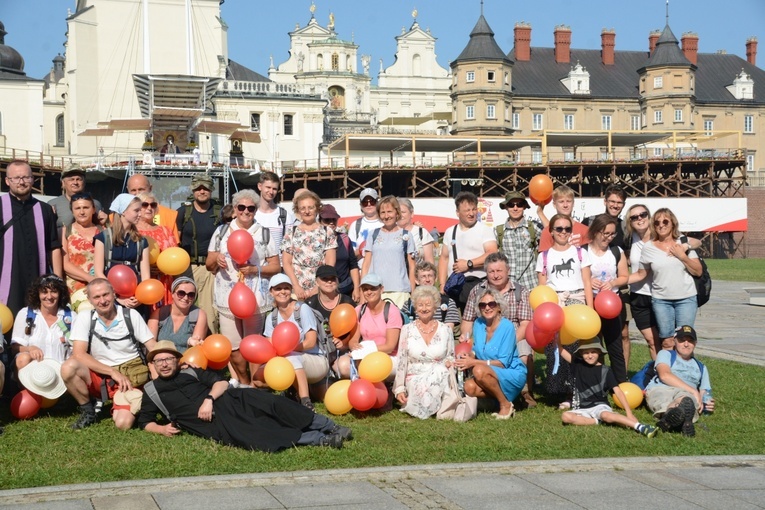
(426, 351)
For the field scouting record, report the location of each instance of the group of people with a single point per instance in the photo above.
(304, 265)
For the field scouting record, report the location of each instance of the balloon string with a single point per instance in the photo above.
(241, 275)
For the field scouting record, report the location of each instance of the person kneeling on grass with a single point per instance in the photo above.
(591, 381)
(197, 401)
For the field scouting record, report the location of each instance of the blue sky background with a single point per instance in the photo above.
(258, 28)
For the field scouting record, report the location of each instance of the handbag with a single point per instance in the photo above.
(456, 280)
(454, 405)
(135, 371)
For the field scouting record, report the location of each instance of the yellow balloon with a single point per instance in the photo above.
(581, 321)
(542, 294)
(566, 338)
(336, 397)
(6, 318)
(633, 393)
(375, 367)
(279, 373)
(153, 250)
(173, 261)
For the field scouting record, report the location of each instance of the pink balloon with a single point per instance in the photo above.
(538, 340)
(285, 337)
(362, 395)
(608, 304)
(123, 279)
(242, 302)
(240, 246)
(257, 349)
(382, 395)
(548, 317)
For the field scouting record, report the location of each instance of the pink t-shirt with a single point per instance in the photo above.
(373, 326)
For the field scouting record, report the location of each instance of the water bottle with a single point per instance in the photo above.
(705, 400)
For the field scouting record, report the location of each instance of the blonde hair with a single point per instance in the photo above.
(119, 232)
(393, 202)
(562, 191)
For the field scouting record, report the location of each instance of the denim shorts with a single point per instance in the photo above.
(673, 313)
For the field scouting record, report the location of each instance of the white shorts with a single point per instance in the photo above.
(593, 412)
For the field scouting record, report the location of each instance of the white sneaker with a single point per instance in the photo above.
(233, 383)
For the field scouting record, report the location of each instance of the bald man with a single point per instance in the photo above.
(165, 216)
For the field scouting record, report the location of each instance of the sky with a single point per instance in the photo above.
(259, 29)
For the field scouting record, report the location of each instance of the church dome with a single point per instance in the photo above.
(10, 59)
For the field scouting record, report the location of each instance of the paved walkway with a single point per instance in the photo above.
(728, 328)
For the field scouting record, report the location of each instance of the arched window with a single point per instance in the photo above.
(335, 62)
(60, 138)
(416, 65)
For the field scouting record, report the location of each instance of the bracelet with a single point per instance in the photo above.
(488, 362)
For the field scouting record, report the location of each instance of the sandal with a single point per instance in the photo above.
(507, 416)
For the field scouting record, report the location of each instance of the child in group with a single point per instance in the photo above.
(591, 381)
(563, 202)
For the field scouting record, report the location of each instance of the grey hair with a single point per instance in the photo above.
(245, 194)
(426, 292)
(98, 281)
(406, 202)
(503, 308)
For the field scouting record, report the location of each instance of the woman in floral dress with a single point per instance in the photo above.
(307, 246)
(426, 350)
(79, 250)
(159, 238)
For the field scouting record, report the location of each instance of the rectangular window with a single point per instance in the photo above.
(470, 112)
(709, 126)
(748, 123)
(288, 125)
(490, 76)
(516, 120)
(568, 122)
(750, 162)
(255, 122)
(635, 122)
(536, 155)
(491, 111)
(657, 151)
(658, 117)
(678, 115)
(568, 154)
(605, 122)
(507, 113)
(658, 82)
(536, 124)
(470, 77)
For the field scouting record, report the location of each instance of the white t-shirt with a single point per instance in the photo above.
(670, 278)
(470, 245)
(604, 267)
(272, 223)
(116, 352)
(564, 271)
(636, 250)
(51, 340)
(420, 241)
(365, 229)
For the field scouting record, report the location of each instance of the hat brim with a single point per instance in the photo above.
(71, 173)
(503, 204)
(25, 378)
(150, 356)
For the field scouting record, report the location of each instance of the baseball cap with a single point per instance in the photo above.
(326, 271)
(372, 280)
(368, 192)
(278, 279)
(686, 331)
(73, 169)
(202, 180)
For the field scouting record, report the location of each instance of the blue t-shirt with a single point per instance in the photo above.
(389, 261)
(307, 321)
(687, 370)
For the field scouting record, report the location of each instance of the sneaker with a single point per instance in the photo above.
(332, 441)
(649, 431)
(98, 406)
(306, 402)
(672, 420)
(344, 432)
(233, 383)
(87, 418)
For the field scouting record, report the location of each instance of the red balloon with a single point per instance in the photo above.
(463, 349)
(217, 365)
(25, 405)
(538, 340)
(240, 246)
(362, 395)
(608, 304)
(342, 319)
(548, 317)
(216, 348)
(242, 302)
(256, 349)
(123, 279)
(285, 337)
(382, 395)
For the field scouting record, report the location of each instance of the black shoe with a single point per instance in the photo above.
(688, 429)
(689, 410)
(86, 419)
(344, 432)
(673, 419)
(332, 441)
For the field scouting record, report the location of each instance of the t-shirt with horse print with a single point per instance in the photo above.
(564, 268)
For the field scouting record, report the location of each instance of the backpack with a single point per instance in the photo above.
(643, 376)
(283, 219)
(66, 322)
(499, 232)
(150, 391)
(131, 333)
(188, 209)
(703, 283)
(386, 312)
(222, 232)
(323, 337)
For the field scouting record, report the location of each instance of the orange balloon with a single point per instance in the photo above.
(212, 365)
(216, 348)
(342, 319)
(173, 261)
(194, 356)
(540, 188)
(150, 291)
(47, 403)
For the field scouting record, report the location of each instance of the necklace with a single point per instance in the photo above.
(422, 327)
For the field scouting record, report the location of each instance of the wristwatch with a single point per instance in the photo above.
(210, 397)
(470, 264)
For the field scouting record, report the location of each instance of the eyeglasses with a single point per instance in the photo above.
(561, 230)
(248, 208)
(182, 294)
(640, 216)
(513, 205)
(23, 178)
(146, 205)
(663, 223)
(163, 361)
(484, 306)
(369, 201)
(608, 235)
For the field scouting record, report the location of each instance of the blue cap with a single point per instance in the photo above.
(371, 279)
(278, 279)
(122, 202)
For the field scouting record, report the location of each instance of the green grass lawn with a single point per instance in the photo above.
(44, 451)
(741, 270)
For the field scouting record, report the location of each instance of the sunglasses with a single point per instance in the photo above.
(369, 201)
(513, 205)
(146, 205)
(663, 223)
(183, 294)
(640, 216)
(484, 306)
(248, 208)
(684, 339)
(561, 230)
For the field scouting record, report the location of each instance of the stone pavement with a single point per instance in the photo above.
(728, 328)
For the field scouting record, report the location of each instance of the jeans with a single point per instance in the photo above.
(673, 313)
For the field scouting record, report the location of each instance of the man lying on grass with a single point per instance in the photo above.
(200, 402)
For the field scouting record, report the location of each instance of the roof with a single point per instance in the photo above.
(236, 71)
(482, 45)
(667, 52)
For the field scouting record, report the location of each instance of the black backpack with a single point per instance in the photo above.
(703, 282)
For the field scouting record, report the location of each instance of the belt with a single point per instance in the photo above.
(199, 261)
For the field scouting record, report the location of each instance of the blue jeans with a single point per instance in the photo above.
(673, 313)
